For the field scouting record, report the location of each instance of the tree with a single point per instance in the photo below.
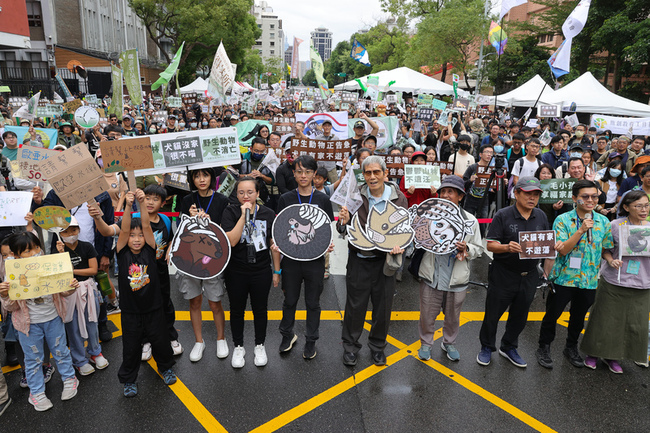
(309, 79)
(202, 25)
(450, 35)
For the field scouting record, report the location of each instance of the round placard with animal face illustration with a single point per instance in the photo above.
(302, 232)
(438, 225)
(200, 248)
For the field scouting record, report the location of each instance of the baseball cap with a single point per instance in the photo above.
(359, 124)
(529, 183)
(326, 121)
(614, 155)
(418, 153)
(234, 117)
(451, 181)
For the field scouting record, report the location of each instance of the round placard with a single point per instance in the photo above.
(52, 218)
(438, 225)
(86, 116)
(302, 232)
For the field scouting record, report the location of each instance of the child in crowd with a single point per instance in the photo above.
(36, 321)
(141, 299)
(321, 177)
(82, 308)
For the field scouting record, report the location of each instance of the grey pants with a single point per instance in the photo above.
(431, 304)
(4, 394)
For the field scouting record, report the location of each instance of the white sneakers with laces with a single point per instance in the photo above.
(197, 351)
(260, 356)
(40, 402)
(69, 388)
(238, 357)
(177, 348)
(222, 349)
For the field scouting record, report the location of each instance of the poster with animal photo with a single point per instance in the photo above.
(383, 230)
(635, 240)
(200, 248)
(302, 232)
(438, 225)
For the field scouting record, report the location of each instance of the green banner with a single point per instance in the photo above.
(131, 69)
(117, 98)
(554, 190)
(245, 130)
(167, 74)
(317, 65)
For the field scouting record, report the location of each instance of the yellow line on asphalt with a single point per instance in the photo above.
(196, 408)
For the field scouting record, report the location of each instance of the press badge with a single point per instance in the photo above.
(633, 267)
(575, 262)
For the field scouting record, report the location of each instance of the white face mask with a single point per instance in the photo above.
(193, 124)
(70, 239)
(152, 130)
(181, 124)
(614, 172)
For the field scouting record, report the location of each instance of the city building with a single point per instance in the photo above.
(271, 42)
(288, 54)
(322, 40)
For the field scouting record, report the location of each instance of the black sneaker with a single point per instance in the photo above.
(112, 308)
(104, 333)
(379, 357)
(574, 357)
(349, 359)
(309, 351)
(5, 405)
(544, 357)
(287, 343)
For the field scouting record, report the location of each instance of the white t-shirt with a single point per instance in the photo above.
(41, 309)
(525, 168)
(86, 223)
(462, 163)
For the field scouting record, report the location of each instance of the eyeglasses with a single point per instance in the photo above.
(641, 206)
(586, 197)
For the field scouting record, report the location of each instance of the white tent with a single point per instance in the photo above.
(406, 80)
(592, 97)
(525, 95)
(197, 86)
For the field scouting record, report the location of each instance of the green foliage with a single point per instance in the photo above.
(635, 90)
(202, 25)
(309, 79)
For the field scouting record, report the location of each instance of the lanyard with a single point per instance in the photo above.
(310, 197)
(199, 202)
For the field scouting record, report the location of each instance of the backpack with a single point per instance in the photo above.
(165, 218)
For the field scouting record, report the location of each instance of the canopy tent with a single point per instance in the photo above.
(590, 96)
(406, 80)
(525, 95)
(197, 86)
(244, 86)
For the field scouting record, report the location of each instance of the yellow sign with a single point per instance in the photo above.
(34, 277)
(49, 217)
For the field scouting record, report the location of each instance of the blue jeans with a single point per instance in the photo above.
(54, 333)
(76, 341)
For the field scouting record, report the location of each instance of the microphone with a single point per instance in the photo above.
(248, 216)
(589, 216)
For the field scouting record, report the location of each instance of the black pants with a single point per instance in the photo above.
(581, 300)
(168, 305)
(135, 328)
(507, 290)
(240, 286)
(293, 275)
(365, 281)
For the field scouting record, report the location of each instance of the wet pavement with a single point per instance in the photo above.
(322, 395)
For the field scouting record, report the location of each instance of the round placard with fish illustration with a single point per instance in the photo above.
(438, 225)
(302, 232)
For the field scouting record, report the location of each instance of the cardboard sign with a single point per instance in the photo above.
(438, 225)
(421, 176)
(302, 232)
(14, 205)
(72, 106)
(426, 114)
(322, 150)
(52, 217)
(283, 125)
(395, 165)
(483, 176)
(634, 241)
(537, 245)
(127, 154)
(548, 111)
(35, 277)
(29, 159)
(75, 176)
(554, 190)
(176, 180)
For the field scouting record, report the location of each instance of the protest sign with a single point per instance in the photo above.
(15, 169)
(556, 189)
(52, 218)
(127, 154)
(72, 106)
(35, 277)
(421, 176)
(537, 245)
(188, 98)
(349, 97)
(426, 114)
(322, 150)
(227, 185)
(383, 230)
(634, 241)
(347, 194)
(437, 104)
(438, 225)
(387, 134)
(572, 120)
(286, 102)
(174, 102)
(74, 176)
(91, 99)
(391, 99)
(46, 136)
(307, 105)
(313, 123)
(283, 125)
(176, 180)
(425, 100)
(548, 111)
(14, 205)
(443, 119)
(248, 129)
(460, 104)
(483, 176)
(361, 105)
(86, 116)
(395, 165)
(29, 158)
(131, 70)
(621, 125)
(222, 75)
(302, 232)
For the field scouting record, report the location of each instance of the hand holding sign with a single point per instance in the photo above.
(54, 219)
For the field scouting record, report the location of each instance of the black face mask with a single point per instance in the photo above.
(464, 146)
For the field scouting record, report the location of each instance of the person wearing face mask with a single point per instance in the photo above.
(610, 183)
(462, 159)
(153, 129)
(204, 123)
(251, 165)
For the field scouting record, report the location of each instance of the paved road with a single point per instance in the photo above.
(322, 395)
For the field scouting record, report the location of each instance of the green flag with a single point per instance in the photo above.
(167, 74)
(131, 69)
(117, 99)
(363, 86)
(317, 65)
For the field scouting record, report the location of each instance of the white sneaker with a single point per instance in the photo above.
(222, 349)
(86, 369)
(99, 361)
(260, 355)
(146, 352)
(40, 402)
(238, 357)
(69, 388)
(197, 352)
(177, 348)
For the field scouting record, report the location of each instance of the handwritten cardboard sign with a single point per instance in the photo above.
(71, 107)
(35, 277)
(127, 154)
(537, 245)
(29, 159)
(75, 176)
(322, 150)
(14, 205)
(421, 176)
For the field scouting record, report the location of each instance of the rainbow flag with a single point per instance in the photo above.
(498, 38)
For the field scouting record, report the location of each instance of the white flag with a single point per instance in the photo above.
(222, 75)
(506, 5)
(28, 111)
(576, 21)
